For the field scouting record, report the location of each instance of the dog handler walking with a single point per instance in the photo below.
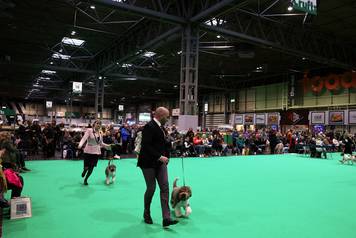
(92, 150)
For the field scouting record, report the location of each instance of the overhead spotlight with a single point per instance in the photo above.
(51, 62)
(92, 7)
(218, 36)
(290, 7)
(175, 86)
(100, 77)
(73, 33)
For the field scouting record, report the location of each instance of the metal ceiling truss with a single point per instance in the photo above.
(169, 11)
(133, 43)
(103, 22)
(286, 38)
(260, 27)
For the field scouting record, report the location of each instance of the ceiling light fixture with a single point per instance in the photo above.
(290, 7)
(149, 54)
(92, 7)
(72, 41)
(215, 22)
(60, 56)
(48, 72)
(131, 78)
(73, 33)
(126, 65)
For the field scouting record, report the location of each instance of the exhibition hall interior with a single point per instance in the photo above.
(177, 118)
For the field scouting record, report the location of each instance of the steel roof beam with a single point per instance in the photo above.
(152, 14)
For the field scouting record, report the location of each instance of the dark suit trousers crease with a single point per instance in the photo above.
(161, 175)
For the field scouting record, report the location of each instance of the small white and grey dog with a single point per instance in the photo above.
(180, 199)
(110, 172)
(348, 159)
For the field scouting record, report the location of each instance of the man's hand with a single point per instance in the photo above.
(164, 159)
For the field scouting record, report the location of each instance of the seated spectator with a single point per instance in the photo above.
(68, 146)
(240, 144)
(10, 165)
(207, 145)
(115, 148)
(217, 145)
(198, 144)
(3, 185)
(320, 148)
(188, 148)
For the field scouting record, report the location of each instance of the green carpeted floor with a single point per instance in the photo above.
(255, 196)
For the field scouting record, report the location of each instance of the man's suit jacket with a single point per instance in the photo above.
(153, 146)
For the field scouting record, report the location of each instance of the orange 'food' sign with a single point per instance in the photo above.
(331, 82)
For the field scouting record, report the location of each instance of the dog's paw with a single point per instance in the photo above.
(188, 211)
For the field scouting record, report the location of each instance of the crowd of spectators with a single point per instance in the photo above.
(45, 140)
(51, 140)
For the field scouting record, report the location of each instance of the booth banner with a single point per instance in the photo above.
(308, 6)
(273, 118)
(249, 119)
(77, 87)
(60, 114)
(352, 116)
(336, 117)
(7, 112)
(239, 119)
(49, 104)
(295, 117)
(72, 114)
(120, 108)
(175, 112)
(317, 117)
(260, 119)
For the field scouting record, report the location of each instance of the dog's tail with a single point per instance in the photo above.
(175, 182)
(109, 162)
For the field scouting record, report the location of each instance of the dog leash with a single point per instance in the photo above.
(183, 171)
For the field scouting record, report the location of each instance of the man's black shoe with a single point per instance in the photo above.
(169, 222)
(147, 218)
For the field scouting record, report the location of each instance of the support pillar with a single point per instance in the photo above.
(99, 97)
(188, 98)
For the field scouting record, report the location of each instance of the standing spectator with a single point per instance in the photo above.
(272, 140)
(190, 135)
(125, 138)
(49, 144)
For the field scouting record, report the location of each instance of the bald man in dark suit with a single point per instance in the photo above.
(153, 162)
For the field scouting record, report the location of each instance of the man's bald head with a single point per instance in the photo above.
(162, 114)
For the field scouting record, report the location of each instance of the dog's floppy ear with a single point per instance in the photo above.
(190, 192)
